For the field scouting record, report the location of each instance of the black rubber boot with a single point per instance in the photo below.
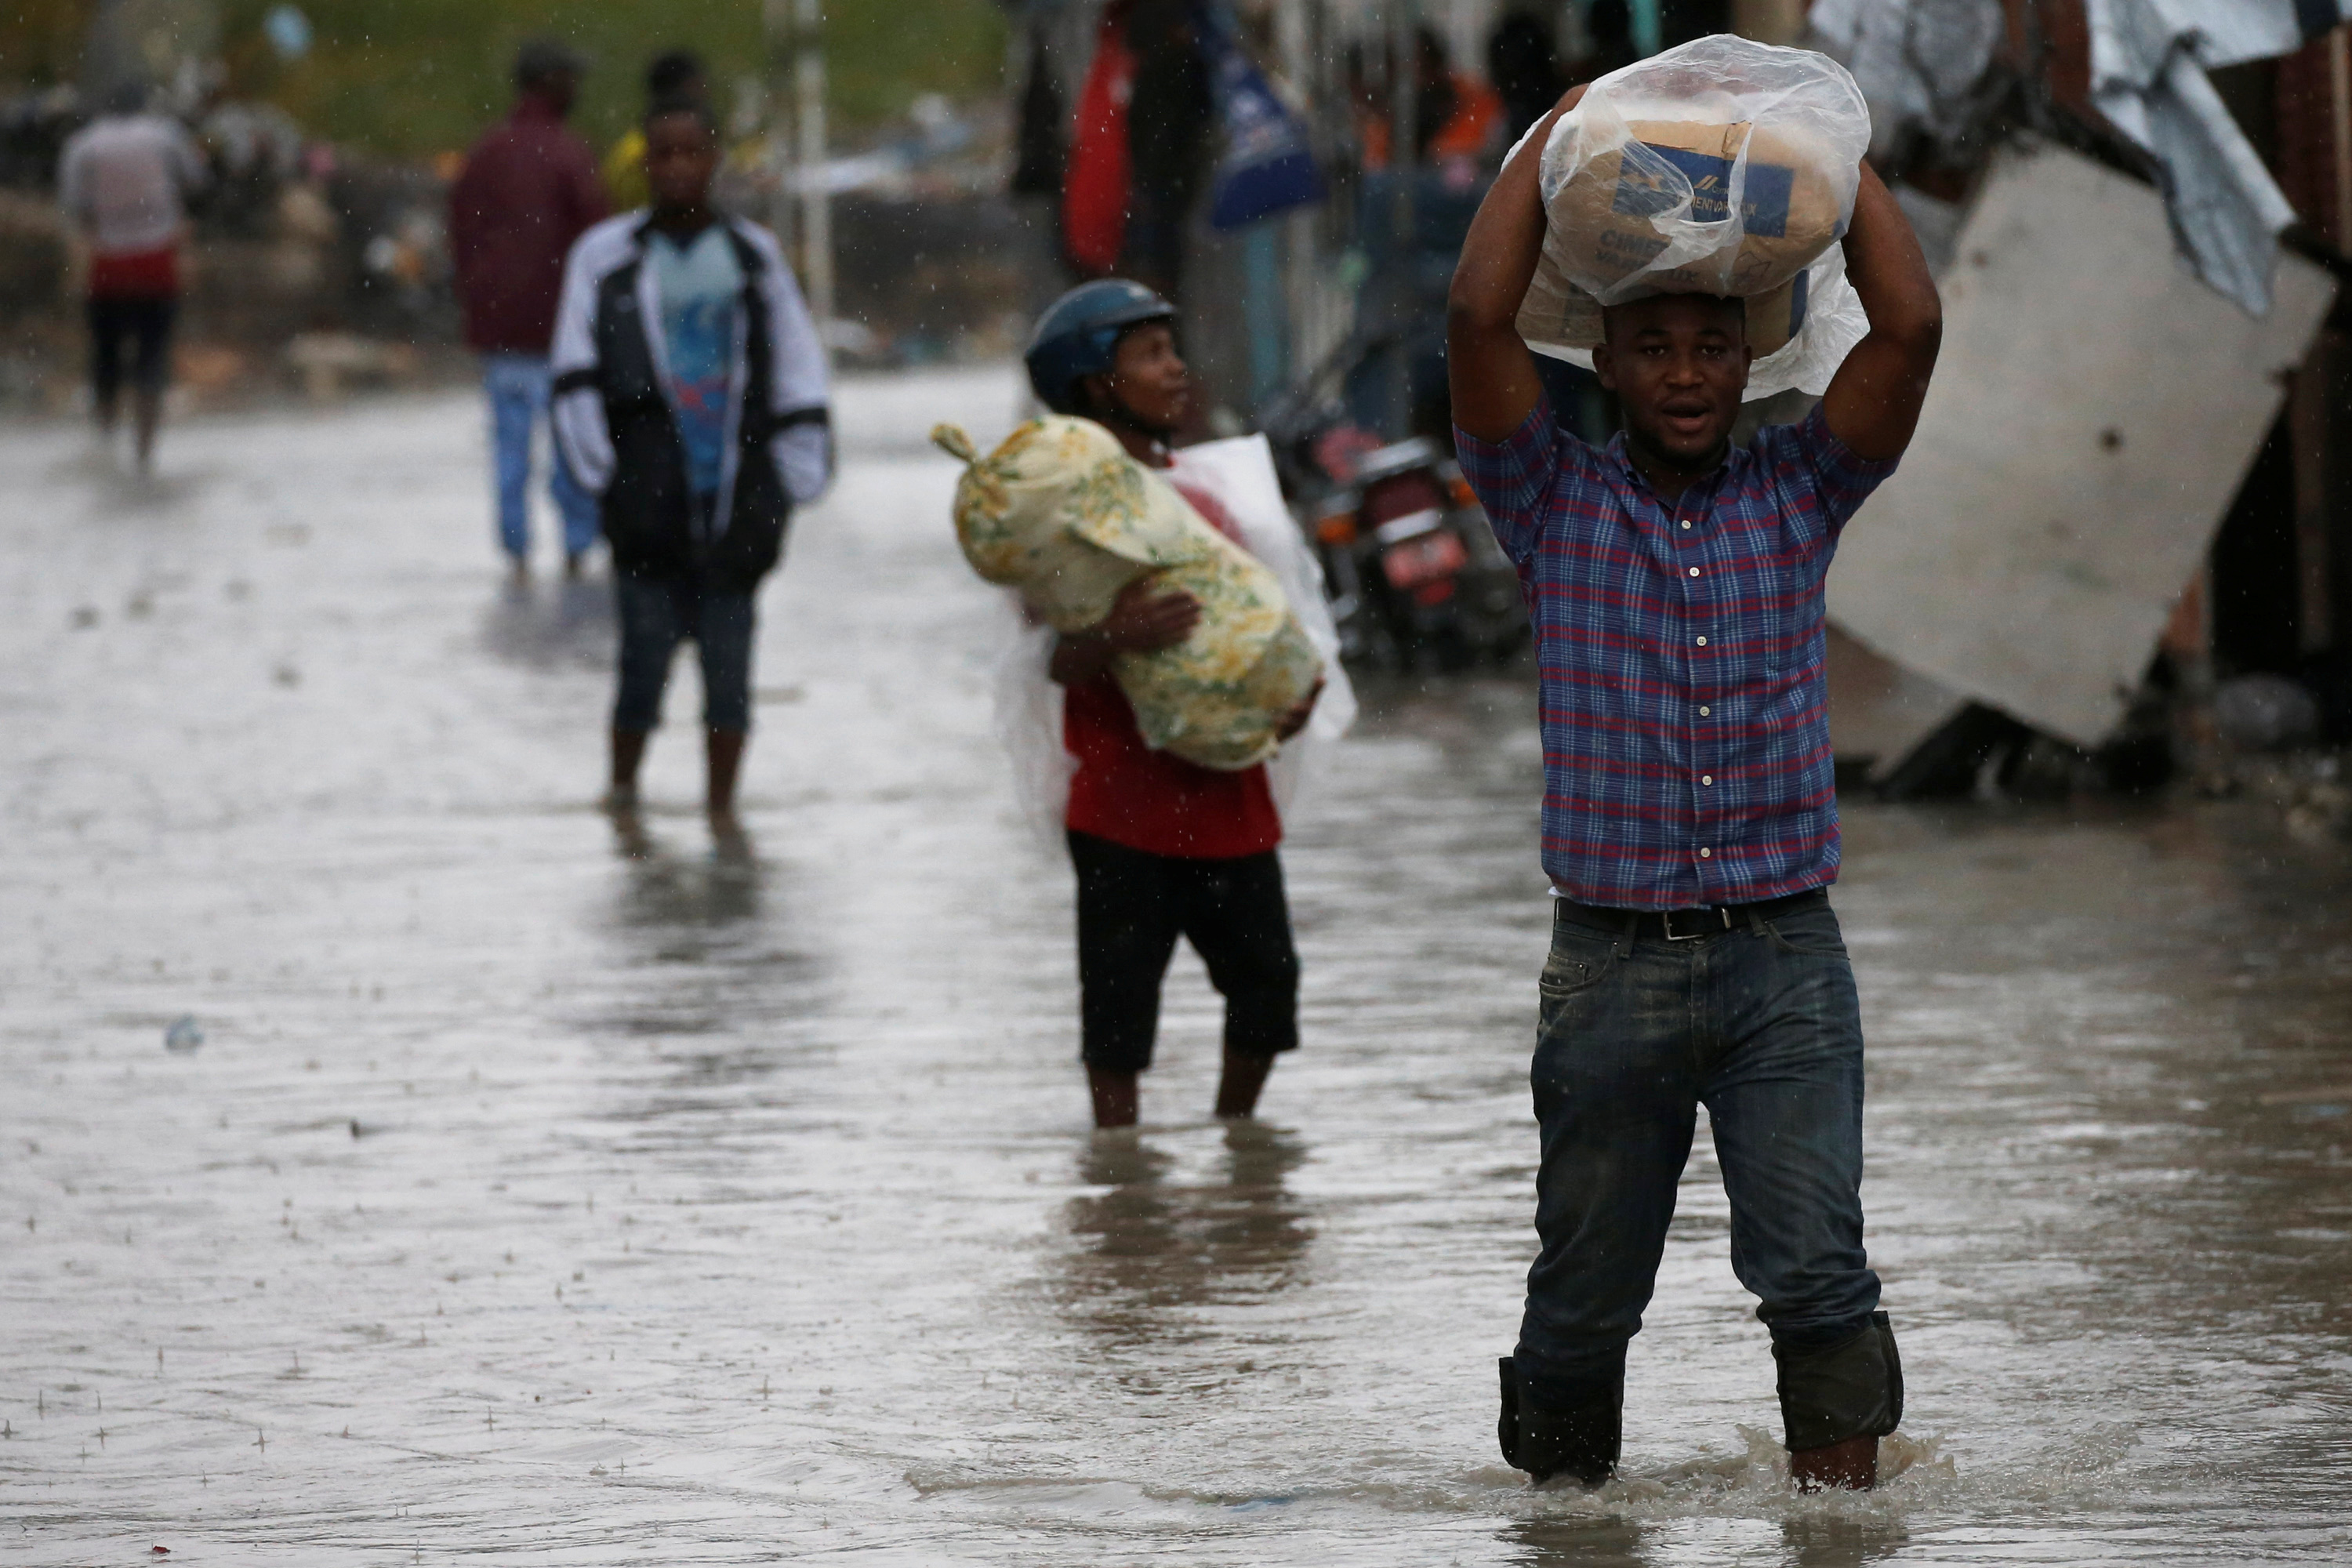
(1579, 1441)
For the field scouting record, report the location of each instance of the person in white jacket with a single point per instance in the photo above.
(690, 399)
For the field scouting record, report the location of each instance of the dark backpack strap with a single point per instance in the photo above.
(777, 425)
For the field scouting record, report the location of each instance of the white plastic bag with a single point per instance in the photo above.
(1029, 724)
(1240, 473)
(1719, 167)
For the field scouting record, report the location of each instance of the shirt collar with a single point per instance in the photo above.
(1706, 484)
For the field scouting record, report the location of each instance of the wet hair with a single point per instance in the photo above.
(1610, 314)
(128, 97)
(542, 62)
(698, 108)
(672, 73)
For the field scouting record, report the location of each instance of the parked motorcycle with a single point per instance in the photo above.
(1417, 582)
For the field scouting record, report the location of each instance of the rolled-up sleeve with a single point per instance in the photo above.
(1826, 480)
(1514, 478)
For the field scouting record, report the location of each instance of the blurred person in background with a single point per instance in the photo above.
(1609, 40)
(1457, 117)
(528, 190)
(673, 74)
(690, 397)
(1168, 139)
(1522, 63)
(124, 180)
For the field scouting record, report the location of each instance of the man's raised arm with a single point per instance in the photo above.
(1492, 375)
(1873, 402)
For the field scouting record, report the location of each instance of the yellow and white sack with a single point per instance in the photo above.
(1060, 513)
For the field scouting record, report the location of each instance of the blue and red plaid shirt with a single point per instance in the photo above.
(1684, 711)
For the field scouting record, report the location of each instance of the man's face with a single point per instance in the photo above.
(681, 159)
(1150, 379)
(1677, 364)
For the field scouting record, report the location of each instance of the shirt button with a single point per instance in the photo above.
(1705, 711)
(1686, 523)
(1702, 642)
(1694, 570)
(1707, 778)
(1706, 854)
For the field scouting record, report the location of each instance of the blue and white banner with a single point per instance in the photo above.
(1268, 164)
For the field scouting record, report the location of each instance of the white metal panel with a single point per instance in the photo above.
(2093, 413)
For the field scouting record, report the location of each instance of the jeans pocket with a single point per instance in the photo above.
(1809, 933)
(1579, 960)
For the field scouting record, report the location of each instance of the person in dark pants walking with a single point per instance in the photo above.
(1162, 847)
(689, 388)
(1689, 826)
(124, 180)
(528, 189)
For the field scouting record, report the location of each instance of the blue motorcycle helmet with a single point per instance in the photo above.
(1078, 336)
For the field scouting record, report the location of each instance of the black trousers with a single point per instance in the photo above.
(146, 325)
(1132, 906)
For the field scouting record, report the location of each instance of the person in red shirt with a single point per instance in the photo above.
(1162, 847)
(528, 189)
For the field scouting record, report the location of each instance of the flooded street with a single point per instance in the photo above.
(546, 1194)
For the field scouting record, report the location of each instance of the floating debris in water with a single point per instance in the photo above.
(185, 1035)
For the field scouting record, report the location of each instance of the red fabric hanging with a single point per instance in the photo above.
(1101, 172)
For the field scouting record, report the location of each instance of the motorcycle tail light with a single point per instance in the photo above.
(1425, 565)
(1337, 527)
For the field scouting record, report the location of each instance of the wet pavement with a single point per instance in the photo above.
(545, 1194)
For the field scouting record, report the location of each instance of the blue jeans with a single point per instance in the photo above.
(1761, 1024)
(659, 613)
(518, 387)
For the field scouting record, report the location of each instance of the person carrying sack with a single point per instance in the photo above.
(690, 399)
(1689, 824)
(1163, 847)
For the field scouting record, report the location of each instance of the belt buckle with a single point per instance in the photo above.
(1666, 922)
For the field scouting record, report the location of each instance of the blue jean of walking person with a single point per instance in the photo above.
(518, 386)
(1757, 1020)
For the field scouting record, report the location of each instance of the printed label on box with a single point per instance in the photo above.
(1644, 189)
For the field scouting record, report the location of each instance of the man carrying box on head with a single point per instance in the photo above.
(1690, 823)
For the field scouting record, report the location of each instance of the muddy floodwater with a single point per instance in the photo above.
(545, 1194)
